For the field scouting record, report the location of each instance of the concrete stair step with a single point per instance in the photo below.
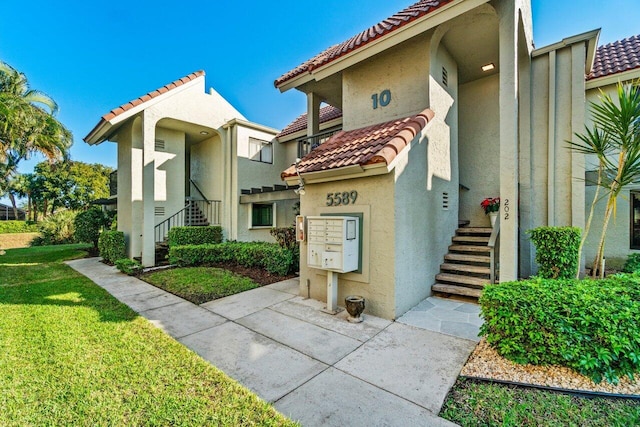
(470, 248)
(474, 230)
(468, 258)
(458, 279)
(456, 290)
(471, 239)
(463, 268)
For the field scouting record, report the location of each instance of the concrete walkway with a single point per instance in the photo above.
(315, 368)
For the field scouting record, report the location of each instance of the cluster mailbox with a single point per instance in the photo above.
(333, 243)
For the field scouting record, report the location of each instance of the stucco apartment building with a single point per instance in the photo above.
(410, 124)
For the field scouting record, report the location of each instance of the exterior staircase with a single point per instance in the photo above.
(467, 266)
(194, 217)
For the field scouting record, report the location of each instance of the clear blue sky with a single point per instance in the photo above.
(93, 56)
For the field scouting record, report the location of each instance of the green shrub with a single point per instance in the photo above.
(195, 235)
(13, 226)
(129, 266)
(285, 236)
(632, 265)
(269, 256)
(88, 225)
(587, 325)
(111, 246)
(56, 229)
(556, 251)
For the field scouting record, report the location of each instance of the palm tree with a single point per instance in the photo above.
(617, 128)
(27, 124)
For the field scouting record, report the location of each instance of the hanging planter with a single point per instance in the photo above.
(491, 206)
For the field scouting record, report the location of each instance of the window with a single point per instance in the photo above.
(263, 215)
(635, 220)
(260, 151)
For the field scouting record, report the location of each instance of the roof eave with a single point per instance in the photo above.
(385, 42)
(589, 37)
(102, 130)
(346, 172)
(613, 79)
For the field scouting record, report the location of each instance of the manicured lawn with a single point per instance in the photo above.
(473, 403)
(70, 354)
(200, 284)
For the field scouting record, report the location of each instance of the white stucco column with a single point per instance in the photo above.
(508, 33)
(313, 113)
(148, 187)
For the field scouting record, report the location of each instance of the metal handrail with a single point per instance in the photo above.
(308, 143)
(493, 241)
(198, 189)
(210, 210)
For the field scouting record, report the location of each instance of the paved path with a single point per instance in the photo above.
(315, 368)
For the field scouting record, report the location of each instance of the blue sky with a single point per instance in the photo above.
(93, 56)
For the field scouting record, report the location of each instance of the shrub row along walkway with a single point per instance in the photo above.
(315, 368)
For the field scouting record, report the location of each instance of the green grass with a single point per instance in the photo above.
(475, 403)
(200, 284)
(71, 354)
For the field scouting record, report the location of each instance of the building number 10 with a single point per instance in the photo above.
(383, 99)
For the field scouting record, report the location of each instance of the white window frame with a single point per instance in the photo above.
(274, 219)
(259, 150)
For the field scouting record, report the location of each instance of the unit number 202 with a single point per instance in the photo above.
(342, 198)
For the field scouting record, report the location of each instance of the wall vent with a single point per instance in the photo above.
(160, 145)
(445, 77)
(159, 210)
(445, 201)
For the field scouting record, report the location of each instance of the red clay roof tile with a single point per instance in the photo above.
(410, 14)
(617, 57)
(327, 113)
(144, 98)
(379, 143)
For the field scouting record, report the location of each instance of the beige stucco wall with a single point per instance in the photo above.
(479, 147)
(170, 172)
(376, 283)
(206, 164)
(555, 191)
(404, 70)
(130, 185)
(251, 173)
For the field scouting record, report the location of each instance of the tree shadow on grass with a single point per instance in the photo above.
(62, 288)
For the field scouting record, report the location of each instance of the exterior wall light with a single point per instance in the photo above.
(204, 132)
(300, 190)
(488, 67)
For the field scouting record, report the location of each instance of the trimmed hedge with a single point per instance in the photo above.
(556, 251)
(111, 246)
(129, 266)
(13, 226)
(269, 256)
(587, 325)
(632, 265)
(179, 236)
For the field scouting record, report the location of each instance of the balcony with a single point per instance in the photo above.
(307, 144)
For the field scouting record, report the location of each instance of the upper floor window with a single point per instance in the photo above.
(260, 151)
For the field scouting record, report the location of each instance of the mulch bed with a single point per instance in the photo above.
(258, 275)
(486, 363)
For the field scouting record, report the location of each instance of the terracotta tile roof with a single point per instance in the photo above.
(617, 57)
(404, 17)
(327, 113)
(379, 143)
(144, 98)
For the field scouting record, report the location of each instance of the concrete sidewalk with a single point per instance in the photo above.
(315, 368)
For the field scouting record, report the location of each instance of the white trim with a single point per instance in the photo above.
(395, 37)
(274, 219)
(613, 79)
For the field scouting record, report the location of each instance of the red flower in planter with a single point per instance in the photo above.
(490, 205)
